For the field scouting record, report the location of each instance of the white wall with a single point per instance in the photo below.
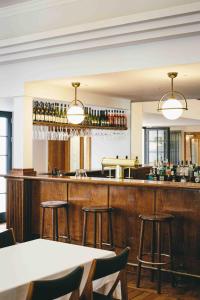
(40, 156)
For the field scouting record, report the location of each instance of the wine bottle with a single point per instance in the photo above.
(34, 110)
(42, 118)
(65, 114)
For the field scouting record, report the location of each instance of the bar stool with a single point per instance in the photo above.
(54, 206)
(97, 212)
(156, 255)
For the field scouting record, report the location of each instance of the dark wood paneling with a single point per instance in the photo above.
(185, 206)
(81, 195)
(129, 203)
(45, 191)
(19, 208)
(25, 195)
(81, 152)
(59, 155)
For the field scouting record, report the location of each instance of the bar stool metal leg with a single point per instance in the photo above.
(100, 230)
(56, 224)
(159, 258)
(53, 224)
(171, 253)
(153, 243)
(95, 231)
(84, 228)
(68, 231)
(140, 253)
(110, 230)
(42, 223)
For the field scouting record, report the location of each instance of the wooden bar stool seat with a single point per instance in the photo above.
(98, 212)
(157, 257)
(54, 206)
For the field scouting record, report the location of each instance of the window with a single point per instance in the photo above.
(175, 146)
(156, 144)
(5, 157)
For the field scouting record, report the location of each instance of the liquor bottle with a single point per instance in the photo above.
(98, 118)
(57, 115)
(38, 112)
(186, 169)
(65, 114)
(112, 119)
(191, 171)
(42, 115)
(92, 117)
(120, 119)
(95, 118)
(89, 117)
(155, 174)
(102, 119)
(173, 177)
(109, 118)
(178, 169)
(183, 179)
(61, 117)
(46, 115)
(136, 162)
(53, 113)
(151, 175)
(168, 172)
(161, 172)
(49, 112)
(124, 119)
(34, 110)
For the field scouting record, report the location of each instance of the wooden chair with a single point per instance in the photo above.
(104, 267)
(7, 238)
(52, 289)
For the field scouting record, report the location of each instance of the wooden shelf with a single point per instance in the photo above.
(51, 124)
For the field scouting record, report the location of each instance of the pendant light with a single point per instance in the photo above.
(173, 103)
(75, 112)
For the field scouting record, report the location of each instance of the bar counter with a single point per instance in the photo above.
(128, 197)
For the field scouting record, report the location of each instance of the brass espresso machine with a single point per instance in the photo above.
(119, 164)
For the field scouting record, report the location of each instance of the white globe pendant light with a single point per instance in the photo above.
(75, 112)
(173, 103)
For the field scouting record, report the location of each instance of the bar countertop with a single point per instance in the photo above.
(111, 181)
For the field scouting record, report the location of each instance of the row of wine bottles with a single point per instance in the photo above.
(182, 172)
(57, 113)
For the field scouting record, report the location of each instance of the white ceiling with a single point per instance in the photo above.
(142, 85)
(4, 3)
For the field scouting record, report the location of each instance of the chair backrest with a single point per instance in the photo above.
(104, 267)
(52, 289)
(7, 238)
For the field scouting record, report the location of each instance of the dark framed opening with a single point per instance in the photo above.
(156, 144)
(5, 157)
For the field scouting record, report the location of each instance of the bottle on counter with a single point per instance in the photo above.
(136, 162)
(151, 175)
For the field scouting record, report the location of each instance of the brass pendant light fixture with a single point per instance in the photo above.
(75, 112)
(173, 103)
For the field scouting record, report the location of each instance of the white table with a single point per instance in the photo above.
(43, 259)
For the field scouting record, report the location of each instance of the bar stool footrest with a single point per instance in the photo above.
(149, 262)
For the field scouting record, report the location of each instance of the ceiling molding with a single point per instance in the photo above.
(30, 6)
(155, 25)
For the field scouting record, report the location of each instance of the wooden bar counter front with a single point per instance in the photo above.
(129, 198)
